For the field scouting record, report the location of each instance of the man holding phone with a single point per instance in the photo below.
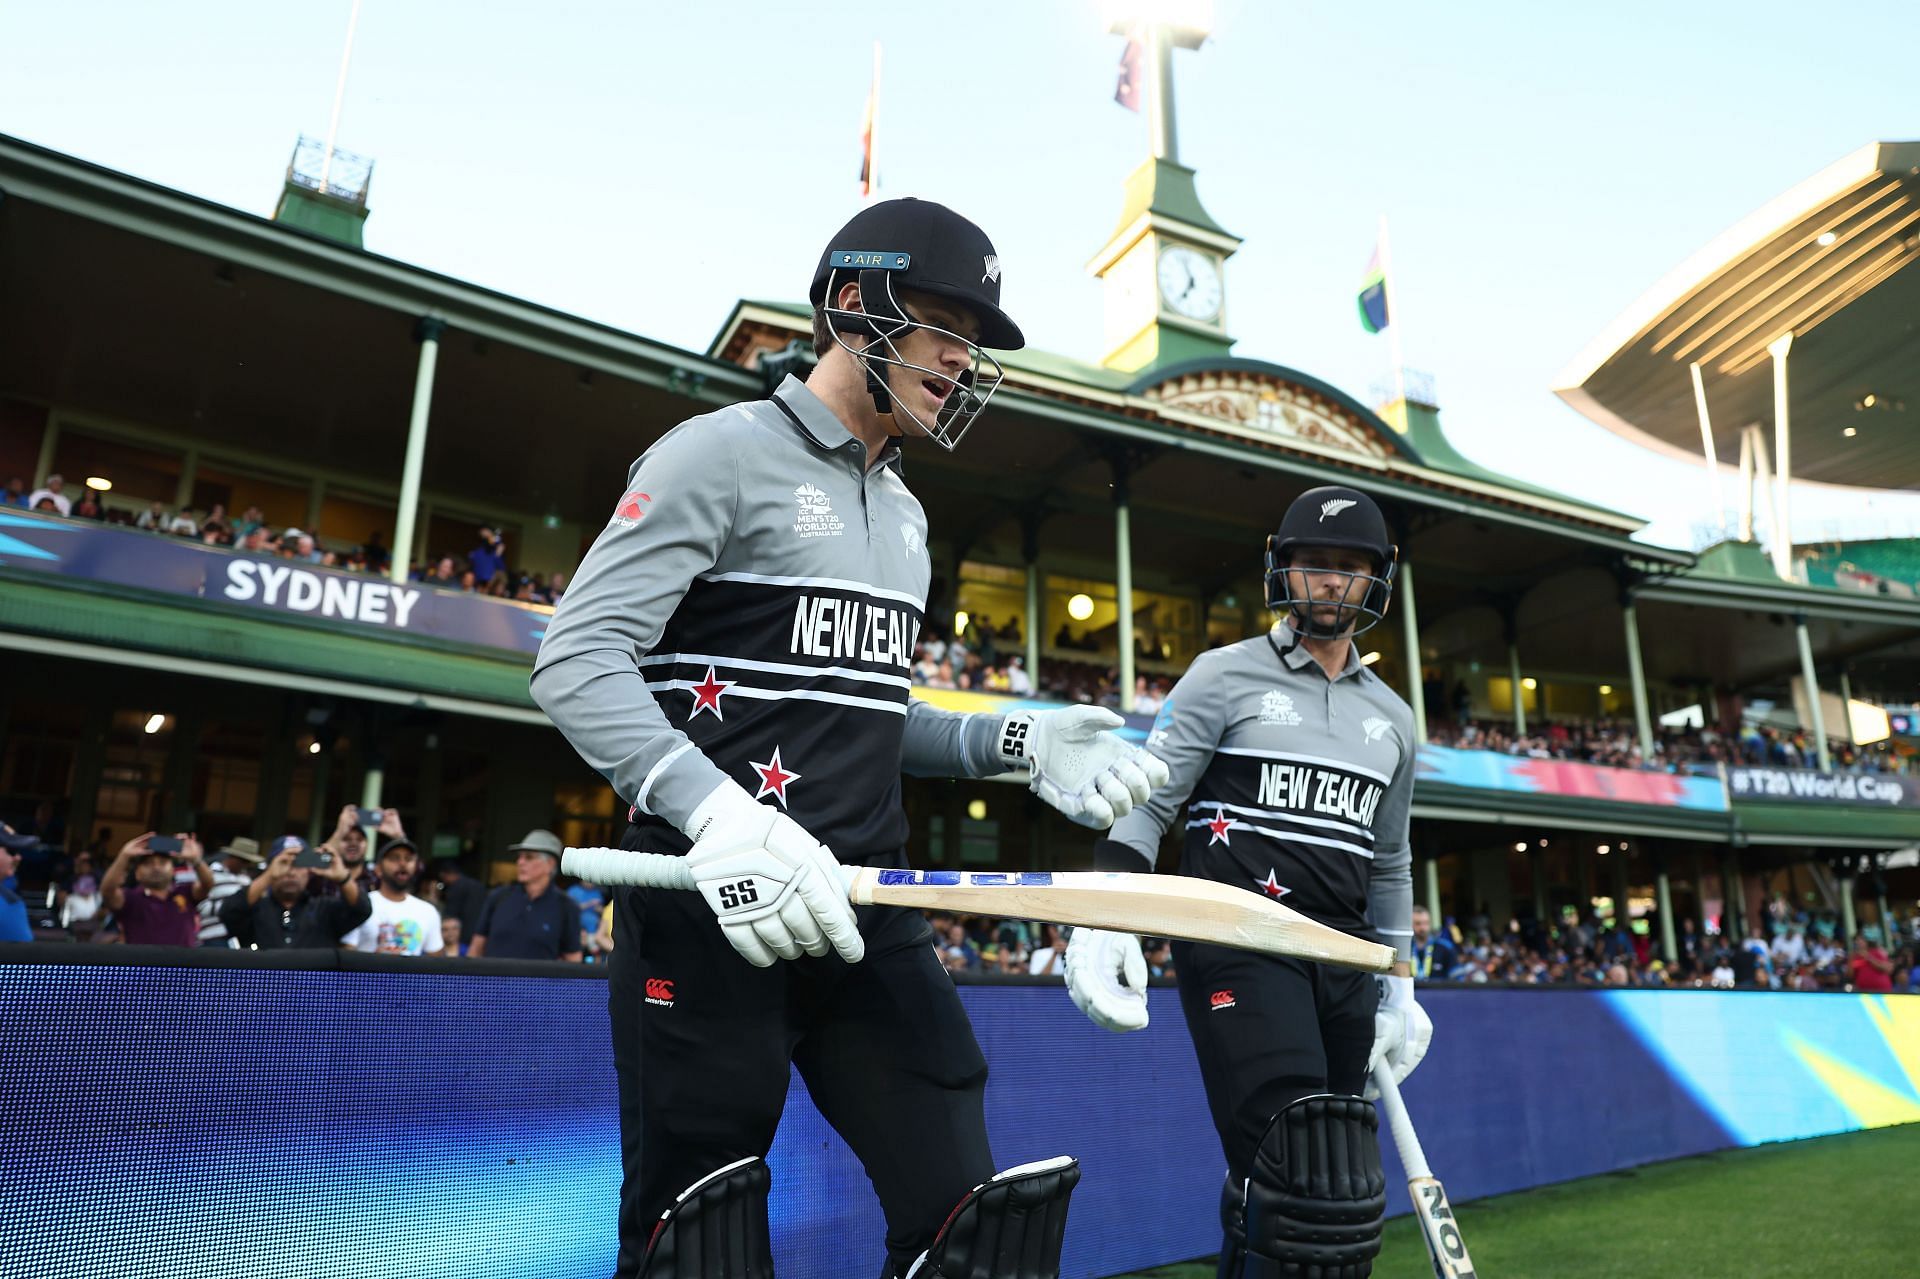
(157, 912)
(278, 912)
(350, 840)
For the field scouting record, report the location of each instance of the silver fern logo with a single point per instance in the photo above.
(992, 264)
(1335, 506)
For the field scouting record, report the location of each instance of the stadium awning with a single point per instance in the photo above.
(1824, 263)
(119, 628)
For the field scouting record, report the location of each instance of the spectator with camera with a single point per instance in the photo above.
(400, 923)
(157, 911)
(281, 909)
(348, 842)
(529, 918)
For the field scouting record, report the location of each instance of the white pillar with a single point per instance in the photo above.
(1814, 710)
(430, 329)
(1706, 446)
(1123, 591)
(1034, 622)
(1848, 925)
(1746, 484)
(1519, 692)
(1410, 623)
(183, 487)
(370, 787)
(1637, 676)
(1433, 895)
(49, 445)
(1782, 460)
(1663, 896)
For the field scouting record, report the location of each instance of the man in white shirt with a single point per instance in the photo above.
(1019, 683)
(1789, 948)
(51, 493)
(401, 924)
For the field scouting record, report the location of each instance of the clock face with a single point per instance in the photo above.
(1190, 283)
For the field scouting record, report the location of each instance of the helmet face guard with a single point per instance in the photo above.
(1361, 615)
(884, 319)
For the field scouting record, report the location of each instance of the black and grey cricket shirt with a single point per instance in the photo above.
(1288, 783)
(751, 612)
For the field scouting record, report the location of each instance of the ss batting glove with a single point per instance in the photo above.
(1401, 1031)
(1097, 963)
(777, 890)
(1078, 763)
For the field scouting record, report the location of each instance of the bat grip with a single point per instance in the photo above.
(1412, 1158)
(619, 866)
(645, 870)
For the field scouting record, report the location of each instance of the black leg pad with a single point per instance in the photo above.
(716, 1228)
(1317, 1199)
(1010, 1227)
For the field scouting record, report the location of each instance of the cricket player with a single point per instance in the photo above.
(733, 656)
(1292, 773)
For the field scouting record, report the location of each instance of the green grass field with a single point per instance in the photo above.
(1845, 1205)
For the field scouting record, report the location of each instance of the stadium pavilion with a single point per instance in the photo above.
(1103, 522)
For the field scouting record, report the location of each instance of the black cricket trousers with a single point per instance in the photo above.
(1269, 1031)
(702, 1042)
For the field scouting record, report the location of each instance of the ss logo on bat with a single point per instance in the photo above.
(744, 893)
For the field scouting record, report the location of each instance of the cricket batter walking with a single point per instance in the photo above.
(734, 657)
(1292, 771)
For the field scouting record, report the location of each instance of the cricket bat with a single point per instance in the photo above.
(1445, 1247)
(1174, 906)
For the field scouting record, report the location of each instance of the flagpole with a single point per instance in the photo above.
(1393, 317)
(873, 144)
(339, 97)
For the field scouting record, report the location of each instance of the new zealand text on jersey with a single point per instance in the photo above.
(826, 626)
(1299, 788)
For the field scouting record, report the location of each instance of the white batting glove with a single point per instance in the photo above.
(777, 890)
(1401, 1032)
(1079, 765)
(1097, 965)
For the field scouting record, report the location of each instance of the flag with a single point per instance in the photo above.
(1127, 92)
(869, 134)
(1373, 295)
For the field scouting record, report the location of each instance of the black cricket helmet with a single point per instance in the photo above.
(920, 245)
(1346, 519)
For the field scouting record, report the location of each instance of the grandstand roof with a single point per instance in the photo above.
(1825, 261)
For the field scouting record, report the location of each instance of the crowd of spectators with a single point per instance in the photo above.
(983, 658)
(483, 570)
(1791, 950)
(365, 887)
(1615, 744)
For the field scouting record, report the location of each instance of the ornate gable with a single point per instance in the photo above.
(1266, 404)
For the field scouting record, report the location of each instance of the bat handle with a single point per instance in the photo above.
(645, 870)
(1412, 1158)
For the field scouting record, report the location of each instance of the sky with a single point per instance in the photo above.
(646, 164)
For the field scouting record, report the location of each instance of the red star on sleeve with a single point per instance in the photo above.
(1220, 825)
(1273, 888)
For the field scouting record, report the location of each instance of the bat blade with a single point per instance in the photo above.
(1445, 1248)
(1175, 906)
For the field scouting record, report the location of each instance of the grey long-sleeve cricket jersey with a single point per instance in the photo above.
(1288, 783)
(751, 612)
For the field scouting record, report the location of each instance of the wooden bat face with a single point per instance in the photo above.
(1444, 1244)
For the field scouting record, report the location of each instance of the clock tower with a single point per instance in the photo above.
(1164, 264)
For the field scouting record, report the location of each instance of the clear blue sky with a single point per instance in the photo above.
(646, 164)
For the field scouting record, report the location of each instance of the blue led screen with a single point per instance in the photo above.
(275, 1123)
